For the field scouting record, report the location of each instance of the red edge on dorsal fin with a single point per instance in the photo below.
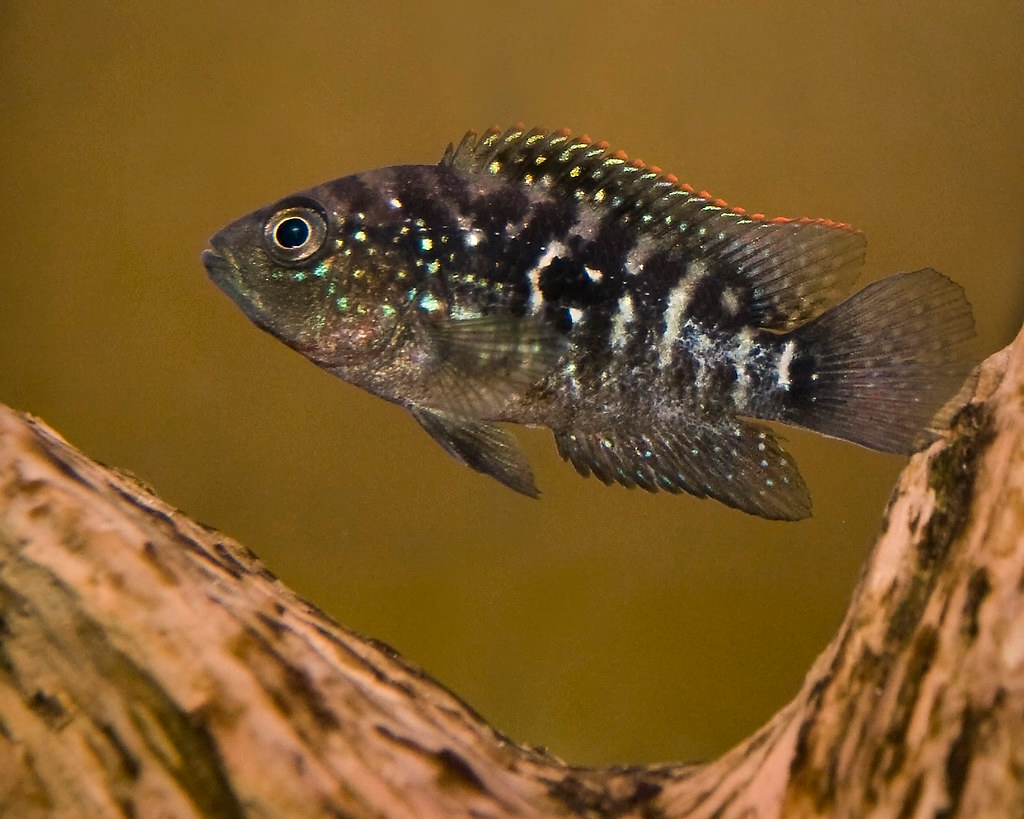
(807, 220)
(518, 131)
(835, 224)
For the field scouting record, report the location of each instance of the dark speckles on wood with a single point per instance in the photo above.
(303, 703)
(275, 625)
(952, 476)
(6, 666)
(958, 760)
(953, 473)
(908, 611)
(229, 562)
(128, 763)
(923, 652)
(978, 588)
(909, 807)
(805, 774)
(455, 769)
(48, 707)
(581, 798)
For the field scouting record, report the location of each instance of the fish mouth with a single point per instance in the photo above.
(224, 273)
(227, 275)
(218, 266)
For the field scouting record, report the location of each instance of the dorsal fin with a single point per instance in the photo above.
(797, 268)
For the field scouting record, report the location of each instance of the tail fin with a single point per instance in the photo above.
(884, 366)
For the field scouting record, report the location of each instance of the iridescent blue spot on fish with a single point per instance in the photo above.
(541, 278)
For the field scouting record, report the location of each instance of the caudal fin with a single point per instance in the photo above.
(885, 366)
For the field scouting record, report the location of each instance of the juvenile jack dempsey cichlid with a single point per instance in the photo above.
(541, 278)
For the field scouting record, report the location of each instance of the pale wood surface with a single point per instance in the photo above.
(150, 666)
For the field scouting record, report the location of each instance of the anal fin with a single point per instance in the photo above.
(482, 446)
(738, 463)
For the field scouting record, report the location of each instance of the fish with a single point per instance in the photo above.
(545, 279)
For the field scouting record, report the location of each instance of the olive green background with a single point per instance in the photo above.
(608, 625)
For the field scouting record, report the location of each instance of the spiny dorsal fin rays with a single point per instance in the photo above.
(555, 159)
(796, 268)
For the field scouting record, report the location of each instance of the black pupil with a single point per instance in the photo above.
(292, 232)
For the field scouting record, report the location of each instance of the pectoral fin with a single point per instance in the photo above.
(739, 464)
(479, 362)
(482, 446)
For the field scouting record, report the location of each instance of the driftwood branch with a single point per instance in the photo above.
(150, 666)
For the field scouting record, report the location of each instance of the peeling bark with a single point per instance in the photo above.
(152, 666)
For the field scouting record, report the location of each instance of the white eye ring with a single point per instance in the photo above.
(294, 233)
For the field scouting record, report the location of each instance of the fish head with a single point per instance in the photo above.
(304, 270)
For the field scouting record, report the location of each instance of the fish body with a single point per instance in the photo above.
(539, 278)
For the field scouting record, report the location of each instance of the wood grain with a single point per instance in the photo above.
(151, 666)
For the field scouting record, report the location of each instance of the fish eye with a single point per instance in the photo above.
(292, 232)
(295, 233)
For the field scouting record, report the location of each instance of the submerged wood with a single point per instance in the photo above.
(151, 666)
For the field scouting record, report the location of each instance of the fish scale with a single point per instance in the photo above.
(541, 278)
